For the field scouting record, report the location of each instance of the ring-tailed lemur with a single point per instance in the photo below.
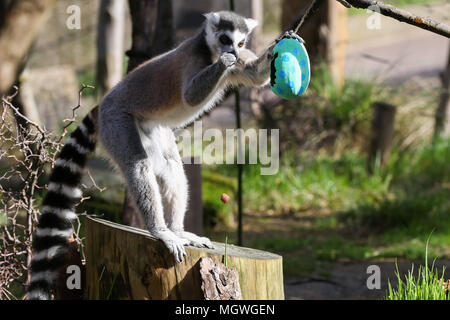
(135, 123)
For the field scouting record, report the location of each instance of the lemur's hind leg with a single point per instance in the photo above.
(122, 139)
(174, 189)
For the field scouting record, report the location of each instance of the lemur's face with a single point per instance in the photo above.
(227, 32)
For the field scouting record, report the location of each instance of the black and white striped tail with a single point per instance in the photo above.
(50, 242)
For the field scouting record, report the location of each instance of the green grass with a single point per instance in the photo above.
(428, 284)
(328, 208)
(322, 205)
(331, 183)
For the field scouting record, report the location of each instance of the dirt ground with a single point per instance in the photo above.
(397, 52)
(348, 281)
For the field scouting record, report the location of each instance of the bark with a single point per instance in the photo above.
(219, 282)
(127, 263)
(442, 120)
(152, 30)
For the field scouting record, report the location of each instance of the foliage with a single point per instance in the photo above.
(327, 208)
(329, 114)
(427, 285)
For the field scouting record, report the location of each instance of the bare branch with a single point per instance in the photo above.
(402, 15)
(25, 154)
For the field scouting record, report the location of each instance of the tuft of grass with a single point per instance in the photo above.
(226, 252)
(427, 285)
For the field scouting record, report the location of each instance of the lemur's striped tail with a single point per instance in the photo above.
(54, 229)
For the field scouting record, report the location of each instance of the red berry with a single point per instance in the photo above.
(225, 198)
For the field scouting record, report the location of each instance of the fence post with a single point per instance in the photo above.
(382, 132)
(193, 220)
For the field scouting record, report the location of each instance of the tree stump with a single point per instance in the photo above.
(128, 263)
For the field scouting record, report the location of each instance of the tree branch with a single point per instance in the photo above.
(402, 16)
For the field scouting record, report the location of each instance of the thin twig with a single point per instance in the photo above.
(100, 189)
(27, 150)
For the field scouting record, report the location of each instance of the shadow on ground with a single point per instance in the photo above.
(348, 281)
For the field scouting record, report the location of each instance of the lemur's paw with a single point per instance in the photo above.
(194, 240)
(228, 60)
(174, 243)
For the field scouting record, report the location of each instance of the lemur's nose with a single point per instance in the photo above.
(232, 51)
(229, 49)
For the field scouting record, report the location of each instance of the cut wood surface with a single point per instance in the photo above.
(128, 263)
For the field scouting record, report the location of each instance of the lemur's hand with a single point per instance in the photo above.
(227, 60)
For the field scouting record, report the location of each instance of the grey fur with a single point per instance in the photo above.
(231, 21)
(203, 83)
(137, 118)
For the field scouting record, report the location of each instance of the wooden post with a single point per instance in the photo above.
(442, 118)
(325, 32)
(193, 220)
(110, 38)
(152, 35)
(127, 263)
(382, 133)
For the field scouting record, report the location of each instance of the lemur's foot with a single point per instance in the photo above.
(174, 243)
(194, 240)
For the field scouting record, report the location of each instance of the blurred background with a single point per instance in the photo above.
(364, 172)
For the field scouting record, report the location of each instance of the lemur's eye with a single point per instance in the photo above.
(241, 44)
(225, 40)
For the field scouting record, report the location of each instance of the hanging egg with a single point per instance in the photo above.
(290, 69)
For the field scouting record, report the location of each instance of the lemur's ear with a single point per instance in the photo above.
(213, 17)
(251, 24)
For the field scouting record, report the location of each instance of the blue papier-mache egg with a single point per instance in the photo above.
(290, 69)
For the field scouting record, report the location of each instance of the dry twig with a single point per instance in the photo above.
(25, 155)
